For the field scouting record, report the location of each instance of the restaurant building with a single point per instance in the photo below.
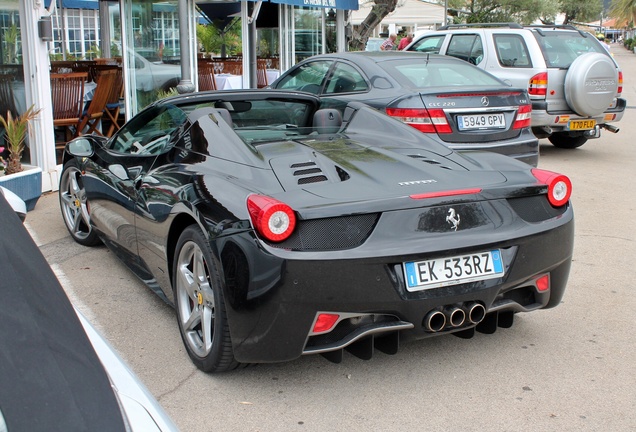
(155, 44)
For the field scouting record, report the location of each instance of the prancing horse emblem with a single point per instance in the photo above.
(453, 218)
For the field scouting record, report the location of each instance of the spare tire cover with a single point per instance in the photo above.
(591, 84)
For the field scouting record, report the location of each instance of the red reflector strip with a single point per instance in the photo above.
(478, 94)
(325, 322)
(440, 194)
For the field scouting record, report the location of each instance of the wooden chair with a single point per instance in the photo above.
(92, 117)
(7, 98)
(112, 105)
(234, 67)
(67, 92)
(206, 76)
(97, 69)
(261, 73)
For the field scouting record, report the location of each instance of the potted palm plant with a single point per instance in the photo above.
(27, 184)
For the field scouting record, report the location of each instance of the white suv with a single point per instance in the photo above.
(573, 81)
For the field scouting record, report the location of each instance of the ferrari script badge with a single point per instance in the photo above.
(453, 219)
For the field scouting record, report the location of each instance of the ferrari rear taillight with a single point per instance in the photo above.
(271, 218)
(427, 121)
(523, 117)
(559, 186)
(538, 85)
(620, 83)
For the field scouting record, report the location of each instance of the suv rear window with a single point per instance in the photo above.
(512, 50)
(560, 49)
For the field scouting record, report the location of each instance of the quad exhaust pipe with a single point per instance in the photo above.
(453, 316)
(475, 312)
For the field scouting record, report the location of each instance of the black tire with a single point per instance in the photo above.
(74, 205)
(200, 304)
(565, 141)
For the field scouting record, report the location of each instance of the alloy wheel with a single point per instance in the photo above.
(195, 299)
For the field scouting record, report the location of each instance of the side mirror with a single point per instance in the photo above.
(80, 147)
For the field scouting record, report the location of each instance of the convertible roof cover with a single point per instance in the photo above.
(50, 376)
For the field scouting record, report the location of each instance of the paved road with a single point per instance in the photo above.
(571, 368)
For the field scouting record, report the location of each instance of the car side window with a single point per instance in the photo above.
(345, 79)
(511, 51)
(150, 132)
(306, 77)
(431, 44)
(467, 47)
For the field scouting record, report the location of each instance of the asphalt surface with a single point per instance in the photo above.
(571, 368)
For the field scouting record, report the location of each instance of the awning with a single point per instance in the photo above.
(327, 4)
(74, 4)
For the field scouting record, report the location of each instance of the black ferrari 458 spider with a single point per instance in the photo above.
(278, 228)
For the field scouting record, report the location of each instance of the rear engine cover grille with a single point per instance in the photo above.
(327, 234)
(535, 208)
(308, 172)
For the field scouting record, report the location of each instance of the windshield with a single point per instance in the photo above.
(421, 73)
(263, 120)
(560, 49)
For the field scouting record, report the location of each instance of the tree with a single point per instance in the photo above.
(526, 11)
(380, 9)
(623, 10)
(581, 10)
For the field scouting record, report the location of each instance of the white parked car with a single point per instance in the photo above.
(56, 371)
(573, 82)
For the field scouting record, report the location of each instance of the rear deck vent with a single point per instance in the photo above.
(313, 179)
(342, 174)
(310, 173)
(429, 161)
(303, 164)
(307, 171)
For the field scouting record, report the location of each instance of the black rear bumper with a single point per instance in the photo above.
(273, 322)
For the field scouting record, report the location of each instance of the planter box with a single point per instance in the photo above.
(26, 184)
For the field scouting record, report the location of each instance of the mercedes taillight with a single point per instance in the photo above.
(427, 121)
(522, 120)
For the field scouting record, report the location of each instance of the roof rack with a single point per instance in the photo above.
(540, 27)
(511, 25)
(558, 26)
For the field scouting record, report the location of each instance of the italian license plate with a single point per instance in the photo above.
(440, 272)
(481, 121)
(581, 124)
